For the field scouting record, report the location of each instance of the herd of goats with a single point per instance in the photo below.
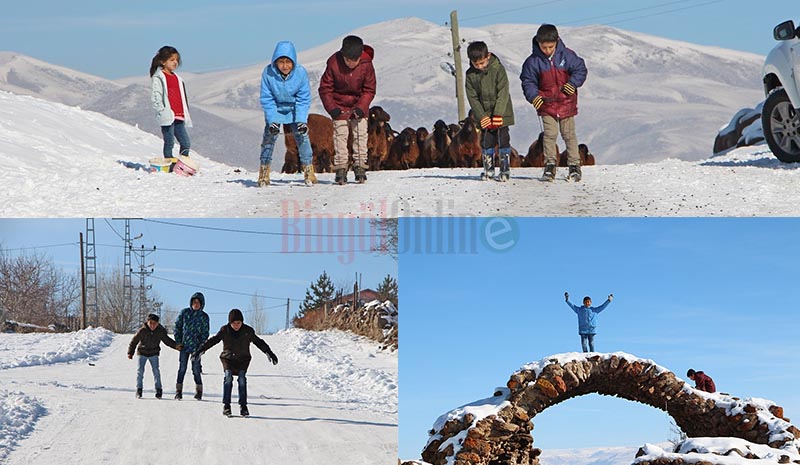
(447, 146)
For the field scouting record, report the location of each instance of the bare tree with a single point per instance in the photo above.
(258, 317)
(33, 290)
(168, 316)
(386, 242)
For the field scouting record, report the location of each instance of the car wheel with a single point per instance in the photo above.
(781, 124)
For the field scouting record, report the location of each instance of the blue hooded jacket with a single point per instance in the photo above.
(285, 99)
(191, 327)
(587, 317)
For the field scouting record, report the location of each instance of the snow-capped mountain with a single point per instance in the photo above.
(646, 98)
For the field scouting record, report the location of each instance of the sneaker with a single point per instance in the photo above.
(263, 176)
(243, 411)
(138, 393)
(341, 176)
(574, 173)
(226, 410)
(159, 393)
(361, 174)
(549, 173)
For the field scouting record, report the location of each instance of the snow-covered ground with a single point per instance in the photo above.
(331, 399)
(85, 164)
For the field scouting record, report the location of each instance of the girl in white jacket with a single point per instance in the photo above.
(169, 100)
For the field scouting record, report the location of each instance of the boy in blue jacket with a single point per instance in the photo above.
(286, 99)
(550, 79)
(191, 331)
(587, 319)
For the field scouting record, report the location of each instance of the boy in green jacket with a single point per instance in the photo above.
(490, 100)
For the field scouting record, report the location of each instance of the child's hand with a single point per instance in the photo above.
(178, 347)
(568, 89)
(357, 113)
(130, 356)
(272, 357)
(537, 102)
(485, 122)
(302, 128)
(336, 112)
(566, 296)
(497, 121)
(274, 129)
(610, 297)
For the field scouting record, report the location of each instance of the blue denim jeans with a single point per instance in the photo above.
(303, 145)
(177, 130)
(587, 339)
(227, 387)
(196, 369)
(140, 372)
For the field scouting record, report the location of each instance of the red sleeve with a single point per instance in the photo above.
(368, 88)
(326, 88)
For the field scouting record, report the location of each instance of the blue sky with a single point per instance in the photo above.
(711, 294)
(267, 270)
(118, 39)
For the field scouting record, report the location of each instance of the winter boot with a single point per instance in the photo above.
(341, 176)
(308, 175)
(488, 165)
(179, 391)
(243, 411)
(263, 176)
(198, 394)
(574, 173)
(549, 173)
(158, 393)
(361, 174)
(226, 410)
(138, 393)
(505, 164)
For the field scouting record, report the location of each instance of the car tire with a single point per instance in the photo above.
(781, 124)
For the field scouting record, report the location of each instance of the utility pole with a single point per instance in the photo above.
(127, 287)
(287, 313)
(90, 276)
(144, 271)
(83, 286)
(457, 59)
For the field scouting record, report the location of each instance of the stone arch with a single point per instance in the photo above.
(471, 436)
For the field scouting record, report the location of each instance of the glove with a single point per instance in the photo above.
(568, 89)
(497, 121)
(357, 113)
(196, 356)
(610, 297)
(486, 122)
(272, 357)
(274, 129)
(335, 113)
(302, 128)
(566, 296)
(537, 102)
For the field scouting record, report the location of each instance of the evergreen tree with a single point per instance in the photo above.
(319, 293)
(387, 290)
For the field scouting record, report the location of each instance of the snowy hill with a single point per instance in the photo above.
(646, 98)
(87, 164)
(332, 398)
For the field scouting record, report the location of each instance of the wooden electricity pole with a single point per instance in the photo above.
(457, 59)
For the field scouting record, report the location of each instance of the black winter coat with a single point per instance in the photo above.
(235, 354)
(149, 341)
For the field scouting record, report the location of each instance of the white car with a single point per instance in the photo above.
(780, 116)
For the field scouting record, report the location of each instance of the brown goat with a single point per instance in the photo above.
(320, 132)
(586, 157)
(465, 147)
(435, 147)
(379, 137)
(404, 151)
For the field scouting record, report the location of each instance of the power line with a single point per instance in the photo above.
(246, 252)
(39, 247)
(198, 286)
(112, 228)
(266, 233)
(510, 11)
(665, 12)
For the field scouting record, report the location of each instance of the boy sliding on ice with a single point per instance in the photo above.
(148, 339)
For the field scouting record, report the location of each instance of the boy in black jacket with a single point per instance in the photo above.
(236, 338)
(149, 338)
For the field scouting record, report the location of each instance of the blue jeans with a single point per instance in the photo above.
(587, 338)
(303, 145)
(177, 130)
(140, 372)
(227, 387)
(183, 362)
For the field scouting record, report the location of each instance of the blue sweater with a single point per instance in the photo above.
(587, 317)
(285, 99)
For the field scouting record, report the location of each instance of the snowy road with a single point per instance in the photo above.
(91, 414)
